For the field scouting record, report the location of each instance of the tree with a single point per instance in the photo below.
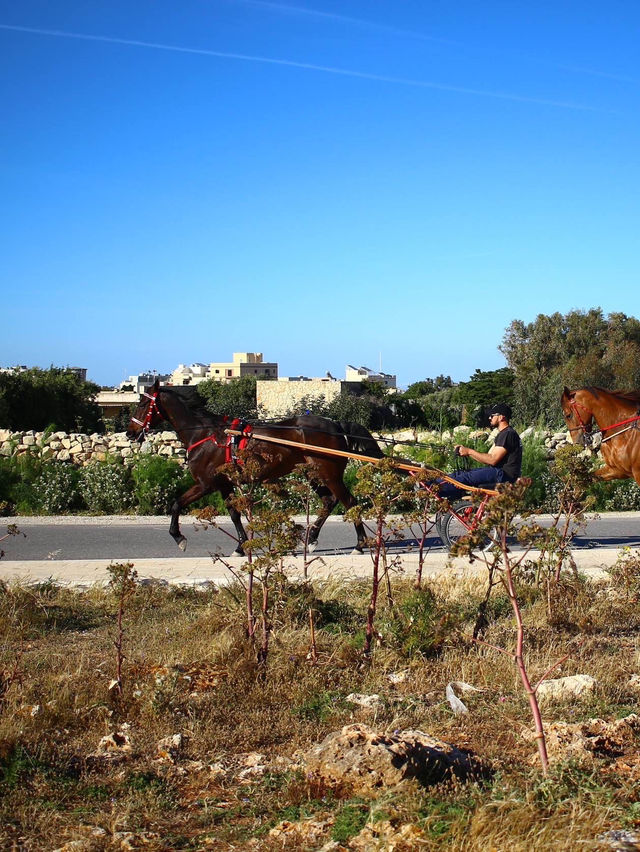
(236, 398)
(485, 388)
(428, 386)
(36, 399)
(366, 410)
(577, 349)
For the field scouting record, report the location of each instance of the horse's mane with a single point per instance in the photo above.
(629, 396)
(190, 398)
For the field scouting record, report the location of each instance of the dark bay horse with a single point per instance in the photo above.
(203, 434)
(617, 417)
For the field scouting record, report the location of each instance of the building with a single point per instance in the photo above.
(190, 375)
(80, 372)
(364, 374)
(138, 384)
(280, 398)
(113, 402)
(243, 364)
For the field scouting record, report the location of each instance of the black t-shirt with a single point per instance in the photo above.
(511, 464)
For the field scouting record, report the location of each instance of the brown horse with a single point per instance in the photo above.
(208, 452)
(617, 416)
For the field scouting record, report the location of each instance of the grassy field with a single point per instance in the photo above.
(207, 745)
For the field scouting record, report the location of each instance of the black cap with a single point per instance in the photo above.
(500, 408)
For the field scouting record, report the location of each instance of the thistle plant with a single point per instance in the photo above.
(123, 584)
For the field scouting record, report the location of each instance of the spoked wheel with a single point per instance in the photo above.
(451, 529)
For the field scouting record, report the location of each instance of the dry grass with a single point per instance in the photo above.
(190, 670)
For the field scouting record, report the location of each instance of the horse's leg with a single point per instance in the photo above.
(194, 493)
(332, 476)
(225, 487)
(236, 519)
(349, 501)
(329, 502)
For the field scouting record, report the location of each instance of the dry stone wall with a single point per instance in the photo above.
(465, 434)
(81, 449)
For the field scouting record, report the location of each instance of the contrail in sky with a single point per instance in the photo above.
(307, 66)
(314, 13)
(334, 16)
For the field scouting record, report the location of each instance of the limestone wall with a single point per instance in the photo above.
(277, 399)
(80, 449)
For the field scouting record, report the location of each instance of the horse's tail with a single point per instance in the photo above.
(360, 440)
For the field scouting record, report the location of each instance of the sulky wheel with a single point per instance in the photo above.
(450, 528)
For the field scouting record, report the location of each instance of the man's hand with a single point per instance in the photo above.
(460, 450)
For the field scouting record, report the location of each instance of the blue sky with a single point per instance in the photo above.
(324, 182)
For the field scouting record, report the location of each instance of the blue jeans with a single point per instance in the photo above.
(476, 476)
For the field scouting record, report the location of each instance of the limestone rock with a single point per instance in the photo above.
(385, 836)
(596, 738)
(566, 688)
(367, 702)
(359, 757)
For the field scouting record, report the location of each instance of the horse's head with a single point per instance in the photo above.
(146, 414)
(578, 416)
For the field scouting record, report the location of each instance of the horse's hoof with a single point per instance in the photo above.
(239, 551)
(357, 552)
(182, 543)
(312, 546)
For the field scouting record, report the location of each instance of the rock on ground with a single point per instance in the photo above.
(359, 757)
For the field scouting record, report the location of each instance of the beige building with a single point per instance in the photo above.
(188, 375)
(278, 399)
(364, 374)
(243, 364)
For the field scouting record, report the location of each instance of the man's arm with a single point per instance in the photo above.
(495, 455)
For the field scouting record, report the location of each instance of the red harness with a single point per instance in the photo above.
(232, 442)
(584, 426)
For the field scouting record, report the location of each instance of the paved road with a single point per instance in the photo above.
(123, 538)
(78, 550)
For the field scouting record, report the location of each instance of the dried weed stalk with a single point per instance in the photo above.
(123, 584)
(500, 521)
(381, 488)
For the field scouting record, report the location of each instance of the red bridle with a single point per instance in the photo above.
(151, 410)
(573, 405)
(586, 427)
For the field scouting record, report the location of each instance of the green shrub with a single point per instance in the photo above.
(350, 820)
(106, 487)
(416, 626)
(157, 482)
(9, 480)
(619, 496)
(57, 488)
(536, 465)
